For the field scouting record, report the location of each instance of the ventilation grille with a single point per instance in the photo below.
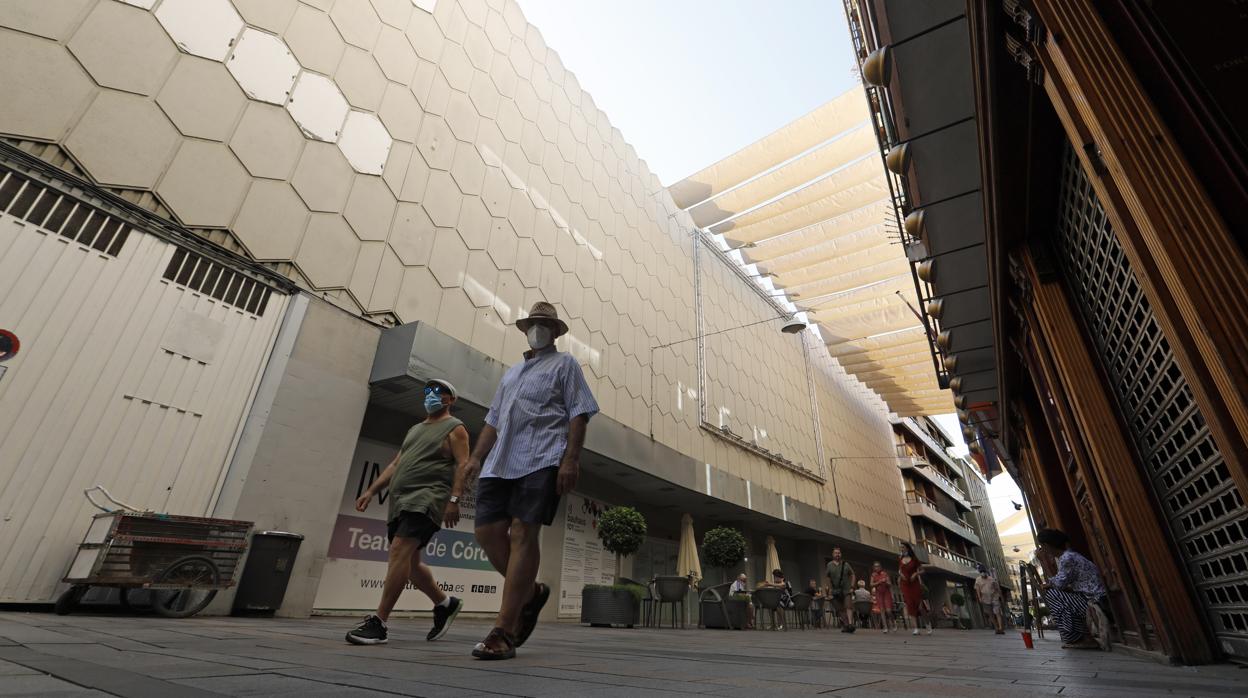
(202, 275)
(61, 214)
(1205, 511)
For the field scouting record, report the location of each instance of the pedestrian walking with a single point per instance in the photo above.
(425, 482)
(528, 455)
(882, 590)
(988, 591)
(910, 578)
(1071, 591)
(841, 579)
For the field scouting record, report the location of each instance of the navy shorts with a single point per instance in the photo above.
(412, 524)
(531, 499)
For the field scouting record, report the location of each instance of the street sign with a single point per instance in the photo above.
(8, 345)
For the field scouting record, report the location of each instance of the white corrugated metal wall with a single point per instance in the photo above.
(125, 379)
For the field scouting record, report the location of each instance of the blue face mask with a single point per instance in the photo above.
(433, 403)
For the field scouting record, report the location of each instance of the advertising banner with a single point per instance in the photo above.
(358, 550)
(585, 561)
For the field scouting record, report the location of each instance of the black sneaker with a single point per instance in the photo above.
(371, 632)
(443, 616)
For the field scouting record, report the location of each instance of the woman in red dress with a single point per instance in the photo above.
(882, 590)
(909, 576)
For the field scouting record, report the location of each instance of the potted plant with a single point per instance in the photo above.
(724, 547)
(957, 600)
(622, 531)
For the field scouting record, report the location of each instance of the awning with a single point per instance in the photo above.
(810, 206)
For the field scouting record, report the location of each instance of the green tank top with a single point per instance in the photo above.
(423, 478)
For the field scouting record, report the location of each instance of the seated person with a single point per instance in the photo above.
(862, 603)
(786, 597)
(816, 603)
(740, 586)
(1067, 593)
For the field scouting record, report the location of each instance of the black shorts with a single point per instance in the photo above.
(531, 499)
(412, 524)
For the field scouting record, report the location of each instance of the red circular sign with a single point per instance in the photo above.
(9, 345)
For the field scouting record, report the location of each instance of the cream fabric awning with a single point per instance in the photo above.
(809, 206)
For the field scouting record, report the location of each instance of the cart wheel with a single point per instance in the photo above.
(189, 572)
(68, 600)
(128, 599)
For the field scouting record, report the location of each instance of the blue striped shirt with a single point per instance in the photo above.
(531, 411)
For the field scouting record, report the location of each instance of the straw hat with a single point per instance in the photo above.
(542, 310)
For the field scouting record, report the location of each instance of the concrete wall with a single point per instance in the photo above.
(304, 429)
(439, 166)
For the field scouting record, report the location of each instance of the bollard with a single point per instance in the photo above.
(1027, 640)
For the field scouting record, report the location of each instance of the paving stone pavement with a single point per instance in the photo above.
(92, 654)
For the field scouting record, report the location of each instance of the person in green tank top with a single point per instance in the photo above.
(429, 464)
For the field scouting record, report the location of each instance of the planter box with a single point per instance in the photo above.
(713, 617)
(609, 607)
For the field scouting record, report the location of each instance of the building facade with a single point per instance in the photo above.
(238, 236)
(1075, 182)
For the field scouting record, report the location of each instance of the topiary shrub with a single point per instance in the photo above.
(723, 547)
(622, 531)
(957, 599)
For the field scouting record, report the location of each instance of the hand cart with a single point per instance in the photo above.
(182, 560)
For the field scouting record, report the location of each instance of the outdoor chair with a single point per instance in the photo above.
(768, 599)
(801, 610)
(818, 612)
(670, 592)
(718, 593)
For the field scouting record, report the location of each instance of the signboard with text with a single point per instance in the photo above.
(358, 550)
(585, 561)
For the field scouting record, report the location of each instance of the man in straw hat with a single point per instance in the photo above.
(531, 447)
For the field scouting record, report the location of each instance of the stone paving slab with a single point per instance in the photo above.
(92, 654)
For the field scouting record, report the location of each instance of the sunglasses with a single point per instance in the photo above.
(436, 390)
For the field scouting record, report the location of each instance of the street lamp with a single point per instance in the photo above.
(792, 325)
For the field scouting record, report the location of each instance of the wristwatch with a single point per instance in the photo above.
(454, 499)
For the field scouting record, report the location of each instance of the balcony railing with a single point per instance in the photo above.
(919, 505)
(938, 550)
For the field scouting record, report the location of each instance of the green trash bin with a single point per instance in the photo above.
(267, 572)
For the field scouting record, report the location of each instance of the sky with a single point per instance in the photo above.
(689, 82)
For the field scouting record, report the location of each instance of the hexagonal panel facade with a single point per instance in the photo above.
(267, 141)
(202, 99)
(204, 28)
(264, 66)
(45, 88)
(365, 142)
(123, 140)
(272, 220)
(123, 47)
(318, 107)
(314, 40)
(204, 185)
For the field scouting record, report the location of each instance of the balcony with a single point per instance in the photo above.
(918, 505)
(911, 459)
(947, 560)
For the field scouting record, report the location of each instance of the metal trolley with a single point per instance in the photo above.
(182, 560)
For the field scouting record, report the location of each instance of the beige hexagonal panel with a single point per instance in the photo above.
(314, 40)
(474, 223)
(462, 117)
(264, 66)
(123, 140)
(449, 258)
(420, 296)
(416, 181)
(201, 98)
(364, 276)
(425, 36)
(357, 22)
(479, 279)
(124, 47)
(451, 18)
(388, 282)
(327, 254)
(204, 28)
(457, 317)
(54, 20)
(489, 333)
(400, 112)
(442, 199)
(436, 143)
(396, 13)
(395, 55)
(502, 244)
(456, 67)
(267, 141)
(273, 15)
(468, 170)
(323, 177)
(370, 208)
(412, 234)
(318, 107)
(204, 185)
(44, 87)
(395, 170)
(271, 221)
(360, 79)
(484, 95)
(365, 142)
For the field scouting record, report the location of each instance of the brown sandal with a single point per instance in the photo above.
(487, 648)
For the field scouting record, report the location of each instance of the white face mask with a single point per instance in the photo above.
(539, 337)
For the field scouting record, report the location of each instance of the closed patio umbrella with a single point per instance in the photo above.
(773, 557)
(687, 563)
